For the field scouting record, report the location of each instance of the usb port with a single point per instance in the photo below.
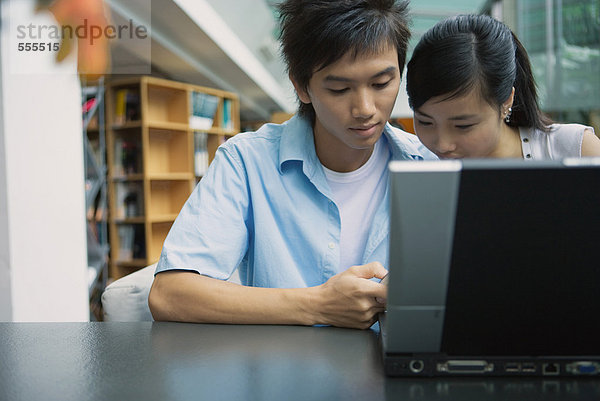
(528, 368)
(512, 367)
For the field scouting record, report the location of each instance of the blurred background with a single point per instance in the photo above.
(561, 36)
(96, 147)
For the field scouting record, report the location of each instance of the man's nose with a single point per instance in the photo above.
(363, 105)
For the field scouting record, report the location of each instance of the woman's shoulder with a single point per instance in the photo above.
(558, 133)
(568, 129)
(558, 141)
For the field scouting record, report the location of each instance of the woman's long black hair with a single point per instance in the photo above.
(475, 52)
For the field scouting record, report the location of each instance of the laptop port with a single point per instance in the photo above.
(416, 366)
(550, 369)
(528, 368)
(583, 368)
(465, 366)
(512, 367)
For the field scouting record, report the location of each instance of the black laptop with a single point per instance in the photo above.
(494, 269)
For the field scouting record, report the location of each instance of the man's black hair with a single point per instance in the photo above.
(317, 33)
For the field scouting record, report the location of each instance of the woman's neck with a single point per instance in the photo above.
(509, 145)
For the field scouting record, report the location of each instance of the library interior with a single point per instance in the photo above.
(112, 111)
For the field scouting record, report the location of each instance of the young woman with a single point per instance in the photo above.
(471, 88)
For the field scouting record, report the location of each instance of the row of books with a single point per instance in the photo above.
(128, 156)
(131, 242)
(227, 120)
(204, 107)
(127, 106)
(200, 153)
(129, 199)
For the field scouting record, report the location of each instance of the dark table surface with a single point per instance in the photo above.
(175, 361)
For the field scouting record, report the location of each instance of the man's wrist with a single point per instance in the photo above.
(309, 306)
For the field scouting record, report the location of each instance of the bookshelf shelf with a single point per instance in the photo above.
(219, 131)
(128, 177)
(130, 220)
(171, 126)
(127, 125)
(154, 157)
(170, 176)
(163, 218)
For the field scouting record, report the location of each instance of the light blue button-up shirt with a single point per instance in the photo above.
(265, 207)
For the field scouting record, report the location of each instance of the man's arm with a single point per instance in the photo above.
(347, 299)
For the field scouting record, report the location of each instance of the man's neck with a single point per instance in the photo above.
(336, 155)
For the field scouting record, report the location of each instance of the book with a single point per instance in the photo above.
(127, 156)
(120, 106)
(126, 241)
(139, 242)
(130, 157)
(118, 159)
(131, 242)
(132, 106)
(227, 122)
(127, 106)
(204, 107)
(129, 199)
(200, 153)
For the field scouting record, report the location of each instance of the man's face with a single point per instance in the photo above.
(353, 99)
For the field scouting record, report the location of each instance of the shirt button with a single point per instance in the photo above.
(331, 245)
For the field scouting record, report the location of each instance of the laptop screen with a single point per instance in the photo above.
(495, 258)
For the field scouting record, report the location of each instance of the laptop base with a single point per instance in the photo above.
(437, 365)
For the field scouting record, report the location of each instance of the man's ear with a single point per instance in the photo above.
(300, 91)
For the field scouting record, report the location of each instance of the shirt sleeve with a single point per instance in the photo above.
(210, 235)
(417, 149)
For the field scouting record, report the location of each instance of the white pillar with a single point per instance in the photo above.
(43, 257)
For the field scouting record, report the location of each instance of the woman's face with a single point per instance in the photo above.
(462, 127)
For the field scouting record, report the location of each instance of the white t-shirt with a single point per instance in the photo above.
(358, 194)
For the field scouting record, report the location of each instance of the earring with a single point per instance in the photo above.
(507, 115)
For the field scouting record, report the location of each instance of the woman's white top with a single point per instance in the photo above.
(562, 140)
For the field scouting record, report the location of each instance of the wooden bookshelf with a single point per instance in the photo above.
(151, 160)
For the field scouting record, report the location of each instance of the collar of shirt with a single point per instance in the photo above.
(297, 144)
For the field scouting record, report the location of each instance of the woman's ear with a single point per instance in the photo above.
(509, 102)
(301, 92)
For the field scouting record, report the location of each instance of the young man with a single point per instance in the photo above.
(300, 208)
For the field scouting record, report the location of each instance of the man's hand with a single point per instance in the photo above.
(351, 299)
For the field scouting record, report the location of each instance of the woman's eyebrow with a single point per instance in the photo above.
(463, 117)
(453, 118)
(423, 114)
